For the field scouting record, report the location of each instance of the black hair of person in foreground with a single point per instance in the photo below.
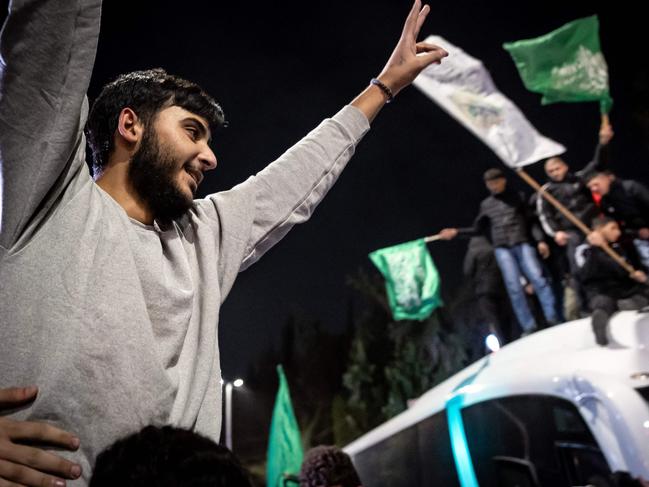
(168, 457)
(328, 466)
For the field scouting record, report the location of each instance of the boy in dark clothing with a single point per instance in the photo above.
(607, 285)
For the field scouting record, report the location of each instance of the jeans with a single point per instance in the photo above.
(513, 260)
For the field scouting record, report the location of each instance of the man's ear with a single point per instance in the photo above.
(129, 126)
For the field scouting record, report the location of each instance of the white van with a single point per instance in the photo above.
(549, 410)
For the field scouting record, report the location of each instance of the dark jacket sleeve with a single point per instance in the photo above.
(599, 162)
(469, 265)
(640, 194)
(547, 215)
(536, 232)
(480, 226)
(599, 266)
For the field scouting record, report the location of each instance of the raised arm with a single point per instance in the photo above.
(47, 51)
(601, 157)
(286, 192)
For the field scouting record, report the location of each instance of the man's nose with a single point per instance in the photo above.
(208, 159)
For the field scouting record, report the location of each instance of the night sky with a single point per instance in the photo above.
(278, 68)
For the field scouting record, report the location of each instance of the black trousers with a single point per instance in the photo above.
(495, 311)
(604, 306)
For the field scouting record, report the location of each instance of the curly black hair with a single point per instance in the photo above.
(325, 466)
(168, 457)
(146, 93)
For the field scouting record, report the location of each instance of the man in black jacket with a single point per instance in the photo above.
(505, 217)
(627, 202)
(608, 286)
(571, 191)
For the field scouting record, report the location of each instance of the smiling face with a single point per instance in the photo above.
(169, 164)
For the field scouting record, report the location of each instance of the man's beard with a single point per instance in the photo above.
(152, 173)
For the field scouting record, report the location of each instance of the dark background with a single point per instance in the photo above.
(278, 68)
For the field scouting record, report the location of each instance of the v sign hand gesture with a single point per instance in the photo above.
(408, 59)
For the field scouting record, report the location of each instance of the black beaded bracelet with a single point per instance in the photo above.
(384, 88)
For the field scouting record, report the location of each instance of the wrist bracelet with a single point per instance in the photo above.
(384, 88)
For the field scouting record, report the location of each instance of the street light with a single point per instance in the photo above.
(228, 408)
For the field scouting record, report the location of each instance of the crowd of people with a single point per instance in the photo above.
(560, 255)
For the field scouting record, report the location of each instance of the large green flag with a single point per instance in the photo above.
(411, 279)
(285, 443)
(565, 65)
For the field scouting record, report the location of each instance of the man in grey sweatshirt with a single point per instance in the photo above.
(110, 286)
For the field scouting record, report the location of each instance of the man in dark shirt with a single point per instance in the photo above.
(608, 286)
(505, 217)
(571, 191)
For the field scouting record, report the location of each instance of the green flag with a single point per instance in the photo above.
(565, 65)
(284, 442)
(411, 279)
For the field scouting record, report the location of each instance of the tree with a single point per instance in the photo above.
(391, 362)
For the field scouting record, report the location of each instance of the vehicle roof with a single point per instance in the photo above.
(527, 364)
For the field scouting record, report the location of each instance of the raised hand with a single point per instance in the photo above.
(410, 57)
(605, 133)
(22, 465)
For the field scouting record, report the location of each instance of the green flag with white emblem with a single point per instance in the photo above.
(565, 65)
(411, 279)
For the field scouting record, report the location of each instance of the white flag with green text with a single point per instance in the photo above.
(463, 87)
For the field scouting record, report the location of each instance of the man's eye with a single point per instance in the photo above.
(193, 133)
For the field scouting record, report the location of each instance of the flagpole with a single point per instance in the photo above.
(571, 216)
(606, 122)
(432, 238)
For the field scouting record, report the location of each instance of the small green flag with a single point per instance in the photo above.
(411, 279)
(284, 443)
(565, 65)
